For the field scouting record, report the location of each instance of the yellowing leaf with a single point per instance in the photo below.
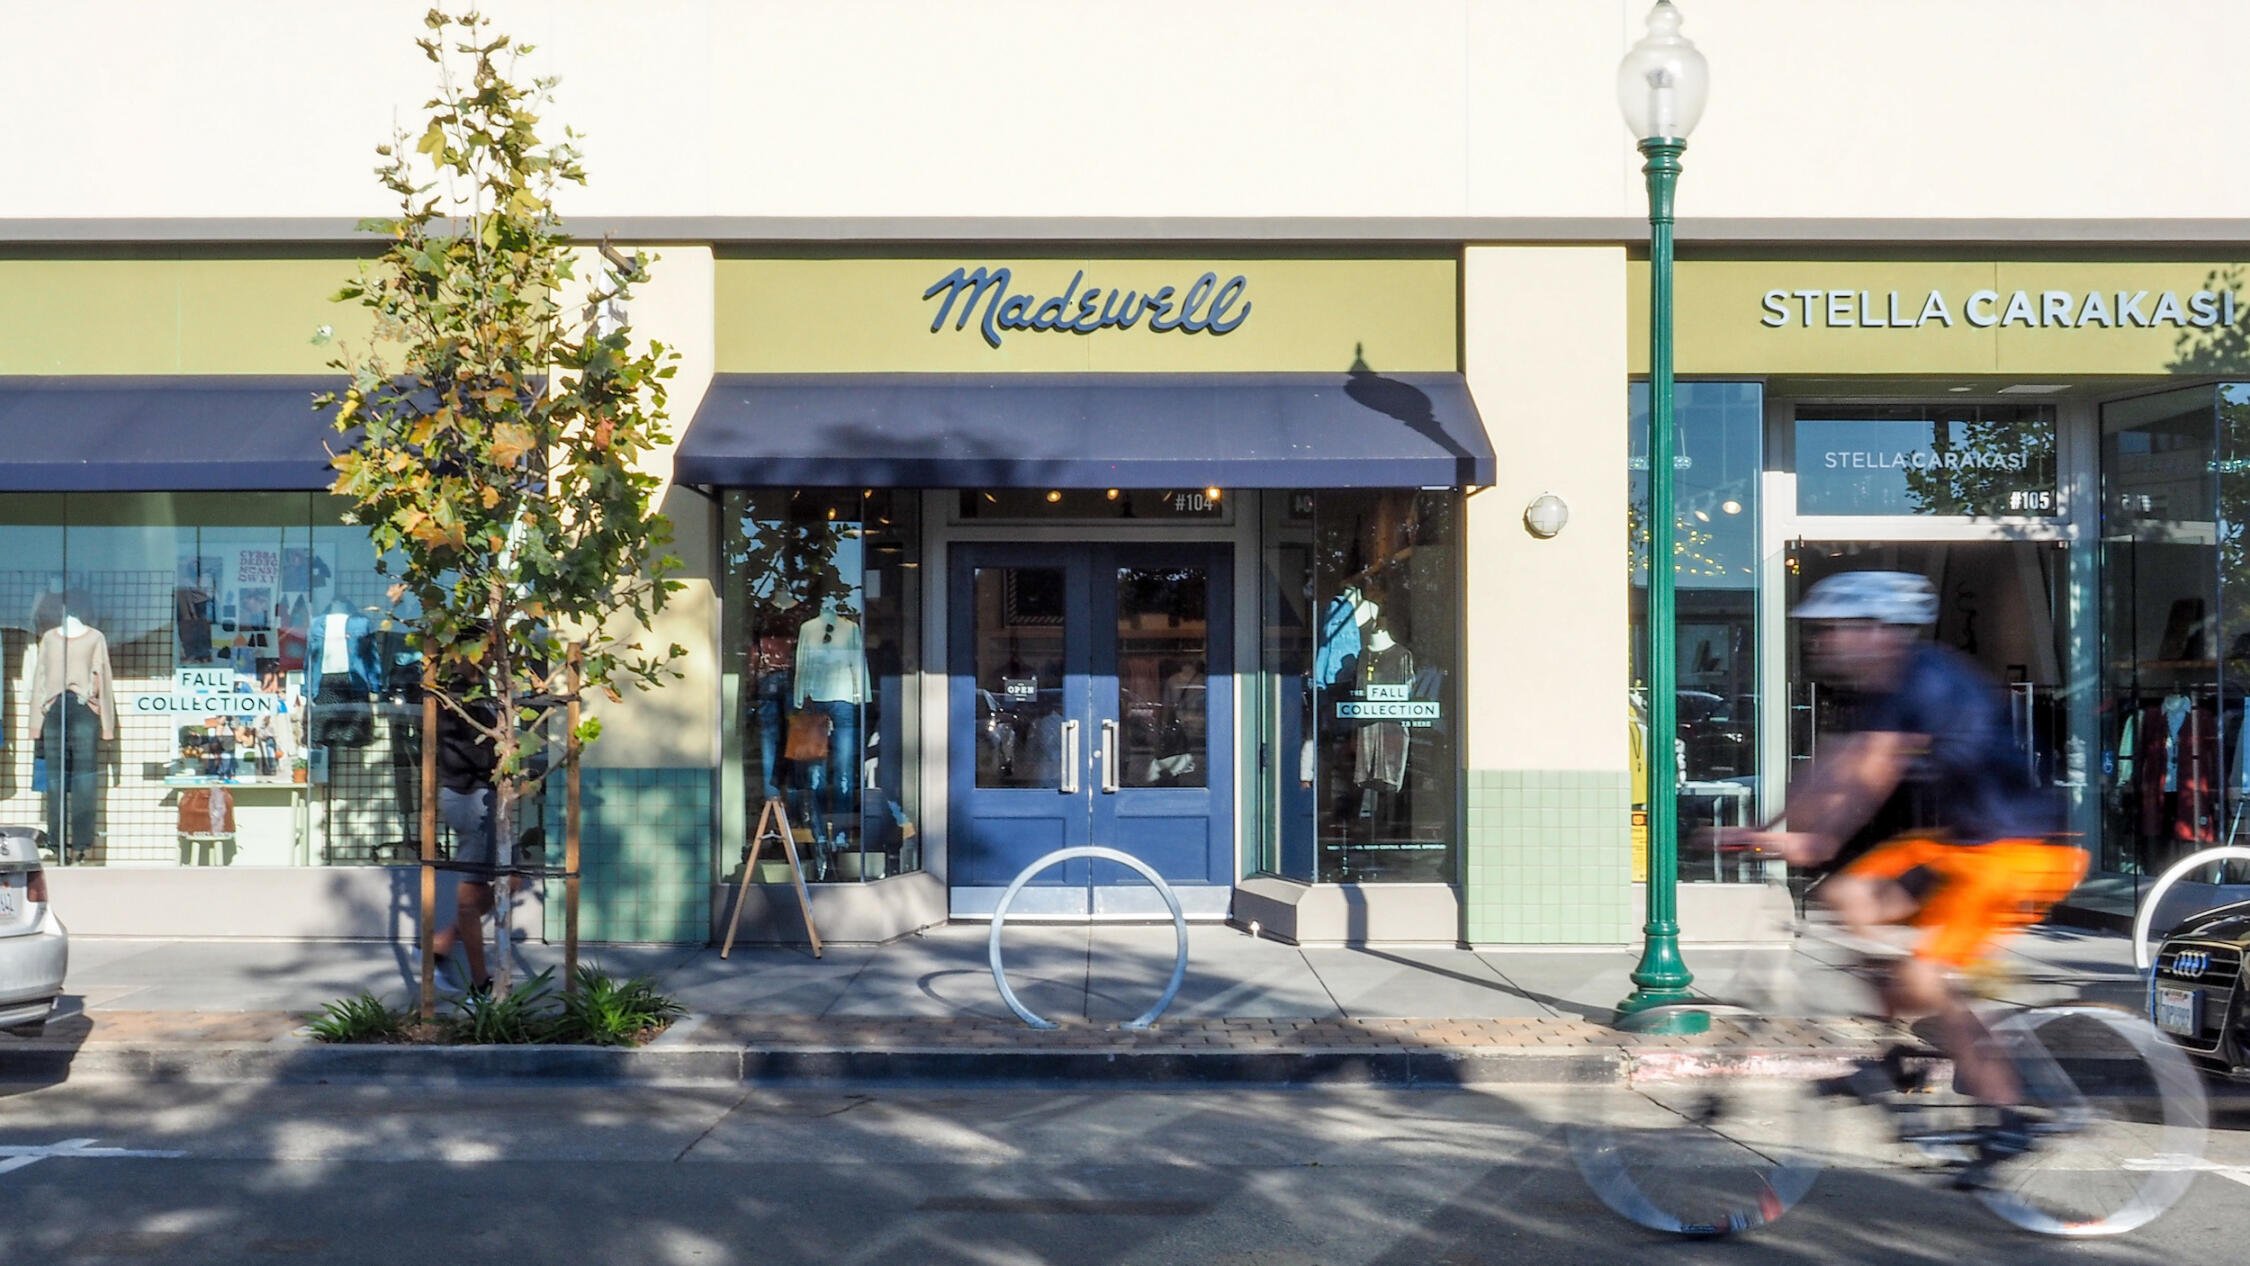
(510, 441)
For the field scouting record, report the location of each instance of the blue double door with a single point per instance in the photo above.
(1092, 702)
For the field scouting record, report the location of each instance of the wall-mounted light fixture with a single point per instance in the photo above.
(1546, 515)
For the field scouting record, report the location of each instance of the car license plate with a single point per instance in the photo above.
(11, 896)
(2180, 1012)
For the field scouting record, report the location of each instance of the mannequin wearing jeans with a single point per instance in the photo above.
(832, 678)
(73, 710)
(772, 656)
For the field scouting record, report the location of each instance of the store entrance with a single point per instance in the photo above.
(1091, 702)
(2001, 603)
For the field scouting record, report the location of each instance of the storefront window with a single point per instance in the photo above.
(1362, 626)
(1718, 455)
(1986, 460)
(2176, 624)
(164, 706)
(823, 634)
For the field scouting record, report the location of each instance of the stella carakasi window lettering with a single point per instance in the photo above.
(1989, 309)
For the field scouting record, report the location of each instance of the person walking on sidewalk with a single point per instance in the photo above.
(465, 761)
(1931, 722)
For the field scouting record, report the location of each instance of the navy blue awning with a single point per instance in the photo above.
(1332, 430)
(202, 433)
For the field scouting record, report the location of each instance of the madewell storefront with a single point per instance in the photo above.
(1155, 551)
(2054, 442)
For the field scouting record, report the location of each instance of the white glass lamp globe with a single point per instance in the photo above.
(1663, 81)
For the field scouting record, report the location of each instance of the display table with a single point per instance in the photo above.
(224, 848)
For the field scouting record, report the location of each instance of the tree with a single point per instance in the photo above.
(497, 419)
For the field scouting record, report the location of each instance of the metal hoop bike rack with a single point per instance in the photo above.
(2144, 958)
(1156, 881)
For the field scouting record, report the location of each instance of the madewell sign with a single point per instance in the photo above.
(984, 311)
(1948, 317)
(988, 296)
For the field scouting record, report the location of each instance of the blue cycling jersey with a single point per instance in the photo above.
(1972, 772)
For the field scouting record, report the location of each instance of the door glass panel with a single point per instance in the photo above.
(1019, 678)
(1163, 660)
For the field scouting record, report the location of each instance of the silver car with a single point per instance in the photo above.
(34, 949)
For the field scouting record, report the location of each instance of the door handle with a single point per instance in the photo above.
(1109, 757)
(1069, 758)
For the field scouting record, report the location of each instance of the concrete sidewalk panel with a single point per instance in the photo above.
(766, 980)
(1571, 984)
(1420, 981)
(947, 973)
(1229, 974)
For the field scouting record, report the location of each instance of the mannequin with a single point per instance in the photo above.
(1337, 654)
(1379, 762)
(832, 678)
(770, 660)
(191, 617)
(342, 662)
(73, 711)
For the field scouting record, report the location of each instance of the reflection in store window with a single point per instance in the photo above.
(166, 702)
(822, 608)
(1361, 617)
(1718, 458)
(2175, 584)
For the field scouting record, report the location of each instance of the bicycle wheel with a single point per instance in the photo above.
(2118, 1128)
(1708, 1142)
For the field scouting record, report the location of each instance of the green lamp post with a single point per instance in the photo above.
(1661, 86)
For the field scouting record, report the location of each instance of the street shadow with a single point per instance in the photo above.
(728, 1177)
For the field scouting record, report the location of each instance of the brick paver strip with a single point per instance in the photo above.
(1187, 1036)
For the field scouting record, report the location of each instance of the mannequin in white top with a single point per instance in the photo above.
(831, 679)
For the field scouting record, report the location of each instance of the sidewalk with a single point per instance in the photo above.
(925, 1007)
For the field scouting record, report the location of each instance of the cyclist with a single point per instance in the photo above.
(1931, 723)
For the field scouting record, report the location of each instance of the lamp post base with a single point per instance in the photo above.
(1662, 1002)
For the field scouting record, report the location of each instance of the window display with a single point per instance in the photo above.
(822, 627)
(167, 672)
(1718, 455)
(1366, 711)
(2176, 629)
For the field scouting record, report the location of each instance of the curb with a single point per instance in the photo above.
(305, 1063)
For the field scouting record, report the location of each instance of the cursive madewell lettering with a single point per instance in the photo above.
(986, 297)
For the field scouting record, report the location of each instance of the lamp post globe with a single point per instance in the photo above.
(1661, 87)
(1663, 81)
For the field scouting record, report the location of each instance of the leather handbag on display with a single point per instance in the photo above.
(808, 736)
(206, 811)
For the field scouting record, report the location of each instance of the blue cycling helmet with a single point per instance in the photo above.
(1891, 597)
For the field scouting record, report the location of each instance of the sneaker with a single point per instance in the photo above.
(2005, 1139)
(1873, 1081)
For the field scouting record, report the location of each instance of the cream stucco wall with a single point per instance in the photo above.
(678, 724)
(1259, 108)
(1545, 357)
(1547, 855)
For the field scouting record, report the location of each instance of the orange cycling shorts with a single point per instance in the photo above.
(1981, 892)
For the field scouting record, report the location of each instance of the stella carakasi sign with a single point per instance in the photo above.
(1994, 309)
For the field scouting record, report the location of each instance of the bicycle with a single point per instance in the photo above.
(1723, 1139)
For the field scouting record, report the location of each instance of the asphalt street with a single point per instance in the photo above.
(118, 1172)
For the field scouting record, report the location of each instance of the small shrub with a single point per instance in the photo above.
(522, 1015)
(608, 1012)
(365, 1018)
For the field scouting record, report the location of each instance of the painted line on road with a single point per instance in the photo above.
(2198, 1164)
(20, 1155)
